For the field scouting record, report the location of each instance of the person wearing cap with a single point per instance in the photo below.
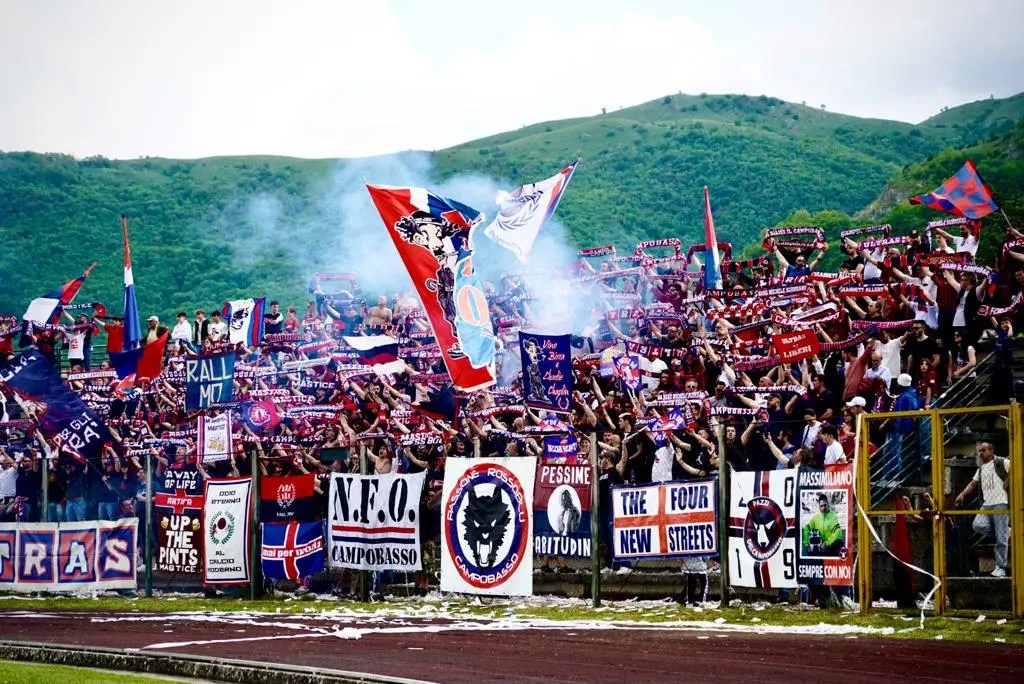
(154, 331)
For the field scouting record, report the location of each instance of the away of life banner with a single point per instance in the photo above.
(178, 514)
(374, 521)
(226, 521)
(68, 557)
(825, 519)
(762, 529)
(486, 528)
(561, 510)
(667, 520)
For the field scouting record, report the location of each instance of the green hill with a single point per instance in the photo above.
(213, 229)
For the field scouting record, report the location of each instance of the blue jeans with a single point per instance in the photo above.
(55, 512)
(74, 510)
(998, 526)
(106, 510)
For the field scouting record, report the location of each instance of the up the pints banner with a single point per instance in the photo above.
(547, 371)
(68, 557)
(60, 412)
(762, 529)
(226, 521)
(433, 236)
(561, 510)
(178, 516)
(209, 380)
(825, 519)
(374, 521)
(486, 528)
(283, 499)
(667, 520)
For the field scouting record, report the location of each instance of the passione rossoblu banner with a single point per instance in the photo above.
(486, 526)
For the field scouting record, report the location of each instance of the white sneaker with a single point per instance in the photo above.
(998, 572)
(624, 570)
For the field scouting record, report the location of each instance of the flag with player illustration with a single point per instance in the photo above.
(763, 529)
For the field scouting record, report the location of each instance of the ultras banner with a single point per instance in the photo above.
(486, 530)
(825, 519)
(667, 520)
(762, 529)
(226, 520)
(547, 371)
(178, 516)
(561, 509)
(374, 521)
(433, 236)
(68, 557)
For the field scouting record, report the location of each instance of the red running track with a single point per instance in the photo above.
(509, 651)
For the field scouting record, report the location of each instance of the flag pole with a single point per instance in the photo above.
(1005, 217)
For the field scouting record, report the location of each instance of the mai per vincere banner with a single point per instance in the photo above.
(486, 526)
(667, 520)
(374, 521)
(762, 529)
(547, 371)
(825, 519)
(226, 523)
(561, 511)
(433, 236)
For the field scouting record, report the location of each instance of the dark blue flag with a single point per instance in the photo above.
(547, 371)
(292, 550)
(209, 380)
(60, 412)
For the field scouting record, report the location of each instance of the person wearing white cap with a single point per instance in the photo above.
(906, 401)
(154, 331)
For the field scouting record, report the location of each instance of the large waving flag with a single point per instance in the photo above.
(132, 335)
(963, 194)
(46, 309)
(245, 320)
(523, 212)
(141, 363)
(712, 260)
(433, 236)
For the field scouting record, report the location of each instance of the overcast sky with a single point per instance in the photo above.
(344, 78)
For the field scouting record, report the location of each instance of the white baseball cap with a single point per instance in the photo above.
(904, 380)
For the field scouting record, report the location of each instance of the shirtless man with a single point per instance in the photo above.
(379, 315)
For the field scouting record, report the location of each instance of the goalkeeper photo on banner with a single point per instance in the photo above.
(825, 521)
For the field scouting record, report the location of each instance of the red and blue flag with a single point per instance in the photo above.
(132, 336)
(712, 259)
(963, 194)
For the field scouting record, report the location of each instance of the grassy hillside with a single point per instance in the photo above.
(213, 229)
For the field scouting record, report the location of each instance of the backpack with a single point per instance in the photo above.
(1001, 464)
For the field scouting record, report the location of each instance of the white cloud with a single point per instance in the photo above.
(324, 79)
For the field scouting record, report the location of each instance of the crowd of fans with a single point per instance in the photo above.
(902, 319)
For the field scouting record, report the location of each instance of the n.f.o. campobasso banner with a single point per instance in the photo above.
(67, 557)
(374, 521)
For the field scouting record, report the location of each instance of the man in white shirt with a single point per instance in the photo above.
(834, 454)
(966, 242)
(877, 370)
(993, 476)
(182, 332)
(218, 328)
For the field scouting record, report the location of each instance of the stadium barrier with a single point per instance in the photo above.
(914, 510)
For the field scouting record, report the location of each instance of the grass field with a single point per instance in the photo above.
(37, 673)
(889, 622)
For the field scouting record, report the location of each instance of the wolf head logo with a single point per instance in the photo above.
(487, 519)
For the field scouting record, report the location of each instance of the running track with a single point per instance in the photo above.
(473, 650)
